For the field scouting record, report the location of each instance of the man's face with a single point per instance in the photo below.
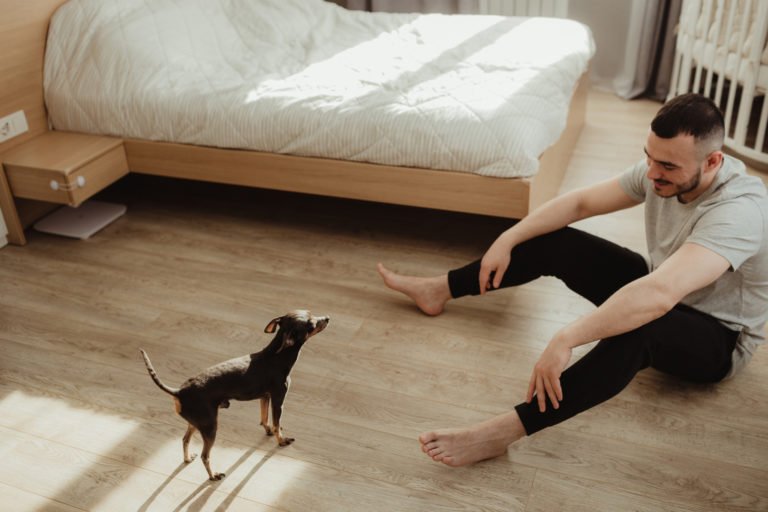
(674, 166)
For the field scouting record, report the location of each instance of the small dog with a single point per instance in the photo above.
(263, 375)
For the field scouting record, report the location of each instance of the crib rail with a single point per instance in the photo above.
(721, 52)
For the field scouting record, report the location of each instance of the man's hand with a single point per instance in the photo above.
(545, 380)
(495, 262)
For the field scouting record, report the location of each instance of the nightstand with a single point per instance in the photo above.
(64, 168)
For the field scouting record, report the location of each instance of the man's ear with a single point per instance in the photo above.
(714, 159)
(272, 325)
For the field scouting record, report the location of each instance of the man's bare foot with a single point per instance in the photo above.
(429, 293)
(486, 440)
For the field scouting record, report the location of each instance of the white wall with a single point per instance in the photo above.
(609, 22)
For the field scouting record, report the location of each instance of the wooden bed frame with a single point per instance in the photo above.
(23, 30)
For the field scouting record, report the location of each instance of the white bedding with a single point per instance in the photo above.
(480, 94)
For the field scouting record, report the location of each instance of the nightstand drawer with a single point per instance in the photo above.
(65, 168)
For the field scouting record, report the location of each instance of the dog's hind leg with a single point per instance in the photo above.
(209, 437)
(265, 415)
(185, 443)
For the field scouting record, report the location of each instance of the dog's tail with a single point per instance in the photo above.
(153, 374)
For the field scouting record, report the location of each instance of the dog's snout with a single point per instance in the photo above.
(321, 322)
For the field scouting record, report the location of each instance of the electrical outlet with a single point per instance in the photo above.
(13, 125)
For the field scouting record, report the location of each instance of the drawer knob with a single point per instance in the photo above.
(79, 183)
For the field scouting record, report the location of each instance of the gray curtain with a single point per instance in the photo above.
(661, 74)
(649, 55)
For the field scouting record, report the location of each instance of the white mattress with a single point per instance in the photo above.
(480, 94)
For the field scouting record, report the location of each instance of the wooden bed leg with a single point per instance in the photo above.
(10, 214)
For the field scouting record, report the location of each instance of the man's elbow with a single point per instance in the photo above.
(665, 298)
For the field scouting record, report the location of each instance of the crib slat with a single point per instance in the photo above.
(686, 29)
(760, 140)
(700, 61)
(755, 57)
(718, 23)
(735, 76)
(691, 9)
(728, 32)
(745, 104)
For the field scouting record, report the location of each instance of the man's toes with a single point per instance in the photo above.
(439, 457)
(427, 437)
(435, 451)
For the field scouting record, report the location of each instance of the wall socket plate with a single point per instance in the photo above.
(13, 125)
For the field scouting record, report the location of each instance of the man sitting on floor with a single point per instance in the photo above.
(697, 309)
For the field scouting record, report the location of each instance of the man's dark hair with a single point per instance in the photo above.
(691, 114)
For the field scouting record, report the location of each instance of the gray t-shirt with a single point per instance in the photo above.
(731, 219)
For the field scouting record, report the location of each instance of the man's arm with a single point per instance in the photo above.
(604, 197)
(690, 268)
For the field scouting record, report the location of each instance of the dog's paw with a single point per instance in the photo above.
(191, 458)
(286, 441)
(268, 430)
(217, 476)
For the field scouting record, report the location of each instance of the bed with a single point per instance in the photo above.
(475, 114)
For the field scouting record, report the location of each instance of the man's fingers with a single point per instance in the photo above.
(541, 394)
(484, 275)
(551, 393)
(531, 388)
(498, 276)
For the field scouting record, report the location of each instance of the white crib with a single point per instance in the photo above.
(721, 52)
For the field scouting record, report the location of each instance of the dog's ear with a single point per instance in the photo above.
(272, 325)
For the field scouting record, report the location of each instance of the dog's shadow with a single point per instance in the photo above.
(200, 496)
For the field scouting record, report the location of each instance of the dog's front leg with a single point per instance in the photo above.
(277, 411)
(265, 415)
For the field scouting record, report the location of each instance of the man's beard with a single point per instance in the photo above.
(684, 188)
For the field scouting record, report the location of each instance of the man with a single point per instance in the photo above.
(696, 309)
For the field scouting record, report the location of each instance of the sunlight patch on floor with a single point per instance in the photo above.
(56, 419)
(102, 459)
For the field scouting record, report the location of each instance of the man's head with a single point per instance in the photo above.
(684, 146)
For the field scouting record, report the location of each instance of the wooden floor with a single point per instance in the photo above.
(194, 272)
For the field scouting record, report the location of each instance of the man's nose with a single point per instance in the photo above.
(654, 172)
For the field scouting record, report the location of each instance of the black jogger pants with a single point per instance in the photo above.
(684, 342)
